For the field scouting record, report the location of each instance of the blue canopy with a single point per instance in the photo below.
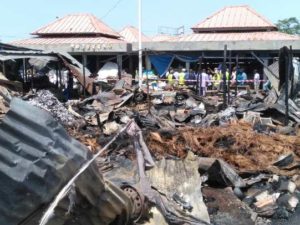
(162, 62)
(190, 59)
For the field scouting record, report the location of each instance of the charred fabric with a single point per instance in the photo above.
(169, 157)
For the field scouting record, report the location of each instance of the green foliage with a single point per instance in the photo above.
(290, 25)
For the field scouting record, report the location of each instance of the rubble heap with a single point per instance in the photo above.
(173, 158)
(46, 100)
(237, 143)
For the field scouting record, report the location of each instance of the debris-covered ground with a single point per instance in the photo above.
(237, 143)
(172, 158)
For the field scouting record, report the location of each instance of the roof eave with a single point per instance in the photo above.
(233, 29)
(72, 35)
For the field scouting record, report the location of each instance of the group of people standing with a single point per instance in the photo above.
(209, 79)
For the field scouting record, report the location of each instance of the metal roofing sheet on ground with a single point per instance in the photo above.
(77, 24)
(234, 17)
(37, 157)
(245, 36)
(131, 34)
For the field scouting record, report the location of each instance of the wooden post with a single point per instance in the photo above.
(199, 78)
(287, 76)
(59, 74)
(236, 73)
(56, 73)
(229, 79)
(24, 71)
(131, 66)
(32, 71)
(120, 65)
(224, 77)
(148, 89)
(84, 57)
(97, 63)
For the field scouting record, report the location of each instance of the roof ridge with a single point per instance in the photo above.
(95, 20)
(259, 15)
(48, 24)
(216, 20)
(96, 25)
(202, 21)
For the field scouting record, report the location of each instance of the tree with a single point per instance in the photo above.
(290, 25)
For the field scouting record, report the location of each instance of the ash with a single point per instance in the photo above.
(46, 100)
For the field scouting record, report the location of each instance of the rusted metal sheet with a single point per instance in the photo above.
(87, 83)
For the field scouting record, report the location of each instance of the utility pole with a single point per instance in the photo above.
(140, 43)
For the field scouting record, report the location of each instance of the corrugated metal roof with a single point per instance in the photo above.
(245, 36)
(77, 24)
(234, 18)
(37, 158)
(66, 40)
(131, 34)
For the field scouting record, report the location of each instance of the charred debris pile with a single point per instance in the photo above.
(171, 157)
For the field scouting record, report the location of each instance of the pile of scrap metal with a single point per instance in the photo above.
(39, 60)
(282, 102)
(38, 158)
(126, 185)
(120, 157)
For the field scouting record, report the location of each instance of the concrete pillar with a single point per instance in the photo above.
(97, 63)
(120, 65)
(84, 62)
(266, 62)
(187, 66)
(148, 62)
(131, 70)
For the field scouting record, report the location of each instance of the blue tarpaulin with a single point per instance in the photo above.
(190, 59)
(162, 62)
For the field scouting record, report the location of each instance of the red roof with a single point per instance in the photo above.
(66, 40)
(131, 34)
(234, 18)
(74, 24)
(240, 36)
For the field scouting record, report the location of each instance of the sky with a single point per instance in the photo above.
(18, 18)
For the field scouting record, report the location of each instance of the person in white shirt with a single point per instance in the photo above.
(203, 82)
(176, 74)
(256, 80)
(233, 77)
